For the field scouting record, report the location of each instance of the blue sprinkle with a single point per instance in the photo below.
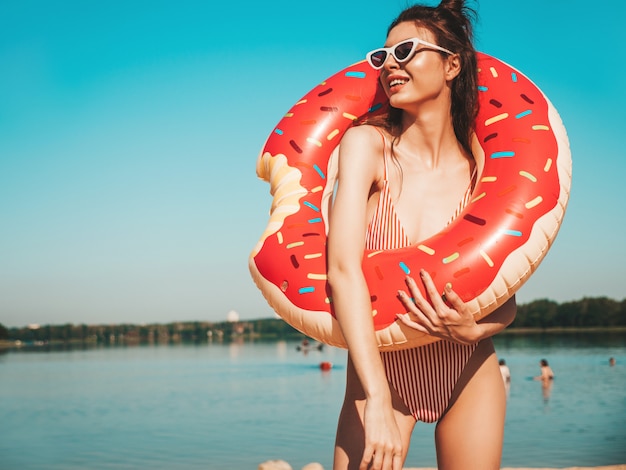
(502, 154)
(319, 171)
(355, 74)
(514, 77)
(482, 88)
(374, 108)
(315, 221)
(278, 131)
(513, 233)
(405, 268)
(306, 290)
(312, 206)
(525, 113)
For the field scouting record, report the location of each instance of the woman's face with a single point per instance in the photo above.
(423, 78)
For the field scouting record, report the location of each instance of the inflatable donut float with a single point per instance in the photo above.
(487, 253)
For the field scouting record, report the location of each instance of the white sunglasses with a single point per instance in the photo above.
(402, 52)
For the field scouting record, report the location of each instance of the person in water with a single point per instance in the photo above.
(403, 177)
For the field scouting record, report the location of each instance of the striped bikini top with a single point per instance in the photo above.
(385, 230)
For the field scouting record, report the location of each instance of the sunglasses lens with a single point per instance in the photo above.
(402, 51)
(378, 58)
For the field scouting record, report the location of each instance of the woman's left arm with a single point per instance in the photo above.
(449, 318)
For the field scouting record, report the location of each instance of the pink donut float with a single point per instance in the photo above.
(487, 253)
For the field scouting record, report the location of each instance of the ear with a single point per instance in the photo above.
(453, 66)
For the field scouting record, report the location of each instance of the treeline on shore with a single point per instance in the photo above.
(594, 312)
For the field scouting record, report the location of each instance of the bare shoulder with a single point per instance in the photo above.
(363, 143)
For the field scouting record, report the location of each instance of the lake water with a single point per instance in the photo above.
(233, 406)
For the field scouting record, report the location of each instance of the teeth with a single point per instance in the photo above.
(397, 81)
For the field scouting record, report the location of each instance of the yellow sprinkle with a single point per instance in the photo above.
(332, 135)
(449, 285)
(489, 179)
(313, 256)
(317, 189)
(328, 300)
(534, 202)
(451, 258)
(540, 127)
(486, 258)
(279, 235)
(294, 245)
(548, 165)
(497, 118)
(350, 116)
(479, 197)
(494, 72)
(316, 277)
(374, 253)
(525, 174)
(289, 115)
(301, 102)
(374, 312)
(426, 249)
(313, 141)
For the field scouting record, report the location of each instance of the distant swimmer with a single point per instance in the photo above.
(546, 372)
(504, 370)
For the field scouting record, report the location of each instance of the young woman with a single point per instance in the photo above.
(401, 180)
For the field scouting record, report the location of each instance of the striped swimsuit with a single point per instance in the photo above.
(424, 376)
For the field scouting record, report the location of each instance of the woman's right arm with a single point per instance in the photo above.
(359, 159)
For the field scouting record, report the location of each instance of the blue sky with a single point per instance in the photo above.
(129, 132)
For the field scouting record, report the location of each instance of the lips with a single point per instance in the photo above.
(396, 81)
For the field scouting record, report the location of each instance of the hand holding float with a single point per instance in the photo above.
(487, 253)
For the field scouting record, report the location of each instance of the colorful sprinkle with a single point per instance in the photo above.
(304, 101)
(288, 115)
(514, 77)
(312, 206)
(486, 258)
(495, 119)
(490, 136)
(479, 197)
(313, 141)
(329, 109)
(540, 127)
(374, 312)
(452, 257)
(426, 249)
(379, 273)
(295, 146)
(374, 253)
(354, 74)
(475, 220)
(488, 179)
(494, 72)
(523, 113)
(294, 245)
(332, 135)
(319, 171)
(527, 99)
(525, 174)
(279, 236)
(514, 213)
(294, 261)
(534, 202)
(513, 233)
(325, 92)
(278, 131)
(376, 107)
(548, 165)
(306, 290)
(316, 277)
(465, 241)
(352, 117)
(506, 154)
(317, 220)
(317, 189)
(496, 103)
(404, 267)
(460, 272)
(313, 256)
(482, 88)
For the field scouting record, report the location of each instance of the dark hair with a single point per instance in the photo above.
(451, 24)
(544, 363)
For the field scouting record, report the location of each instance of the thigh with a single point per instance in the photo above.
(350, 438)
(470, 434)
